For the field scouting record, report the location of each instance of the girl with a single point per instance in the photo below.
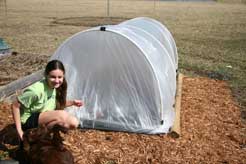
(43, 102)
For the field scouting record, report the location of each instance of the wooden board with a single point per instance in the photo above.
(175, 131)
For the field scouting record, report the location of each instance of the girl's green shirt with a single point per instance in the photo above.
(38, 97)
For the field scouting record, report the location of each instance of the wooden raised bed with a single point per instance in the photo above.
(10, 91)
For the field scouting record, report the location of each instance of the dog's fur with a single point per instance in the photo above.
(44, 146)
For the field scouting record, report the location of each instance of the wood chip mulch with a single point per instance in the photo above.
(211, 132)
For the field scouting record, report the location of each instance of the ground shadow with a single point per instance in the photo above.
(8, 135)
(89, 21)
(9, 142)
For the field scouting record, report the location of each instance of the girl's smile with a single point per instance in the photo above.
(55, 78)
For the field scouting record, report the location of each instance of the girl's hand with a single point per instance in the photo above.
(20, 133)
(78, 103)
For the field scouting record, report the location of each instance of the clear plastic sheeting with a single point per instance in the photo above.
(159, 32)
(125, 74)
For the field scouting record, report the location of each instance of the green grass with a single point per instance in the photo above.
(218, 49)
(211, 41)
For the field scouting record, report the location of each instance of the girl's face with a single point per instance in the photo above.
(55, 78)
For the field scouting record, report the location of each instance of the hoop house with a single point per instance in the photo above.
(125, 74)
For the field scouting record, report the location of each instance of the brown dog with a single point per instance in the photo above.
(44, 146)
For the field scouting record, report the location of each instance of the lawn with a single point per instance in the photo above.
(210, 36)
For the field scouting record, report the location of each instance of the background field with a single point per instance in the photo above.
(210, 36)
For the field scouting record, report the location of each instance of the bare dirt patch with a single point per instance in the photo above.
(211, 132)
(89, 21)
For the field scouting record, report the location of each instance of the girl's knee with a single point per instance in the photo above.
(68, 120)
(62, 116)
(74, 122)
